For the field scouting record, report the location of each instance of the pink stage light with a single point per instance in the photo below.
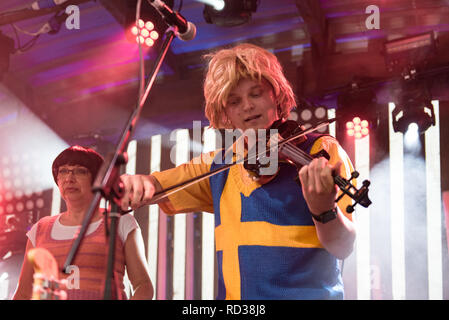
(357, 128)
(144, 33)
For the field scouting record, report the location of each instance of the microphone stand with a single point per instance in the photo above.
(107, 183)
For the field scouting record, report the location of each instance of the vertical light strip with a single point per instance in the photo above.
(433, 183)
(132, 150)
(362, 219)
(102, 203)
(332, 128)
(179, 251)
(445, 195)
(397, 209)
(130, 169)
(190, 257)
(4, 285)
(153, 221)
(162, 265)
(55, 201)
(208, 229)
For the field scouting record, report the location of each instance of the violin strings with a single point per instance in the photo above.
(306, 158)
(300, 154)
(303, 158)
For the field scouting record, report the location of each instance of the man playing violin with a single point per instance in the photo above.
(278, 240)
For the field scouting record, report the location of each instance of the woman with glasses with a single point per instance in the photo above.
(74, 171)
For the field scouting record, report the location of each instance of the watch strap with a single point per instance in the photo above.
(326, 216)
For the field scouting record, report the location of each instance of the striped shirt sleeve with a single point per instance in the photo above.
(197, 197)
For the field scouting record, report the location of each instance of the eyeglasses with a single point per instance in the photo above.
(77, 172)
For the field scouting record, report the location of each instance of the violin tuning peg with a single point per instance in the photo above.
(354, 175)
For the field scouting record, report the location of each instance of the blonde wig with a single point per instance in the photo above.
(228, 66)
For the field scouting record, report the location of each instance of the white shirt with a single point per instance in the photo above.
(126, 224)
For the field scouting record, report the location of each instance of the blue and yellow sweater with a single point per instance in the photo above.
(265, 239)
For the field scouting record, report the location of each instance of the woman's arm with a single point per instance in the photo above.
(24, 288)
(137, 266)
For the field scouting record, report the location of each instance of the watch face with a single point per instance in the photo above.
(327, 216)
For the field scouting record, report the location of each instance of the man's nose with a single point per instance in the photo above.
(247, 104)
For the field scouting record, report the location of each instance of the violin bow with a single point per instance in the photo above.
(182, 185)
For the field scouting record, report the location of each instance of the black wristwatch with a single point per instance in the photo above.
(326, 216)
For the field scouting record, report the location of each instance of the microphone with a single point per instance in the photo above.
(186, 29)
(45, 4)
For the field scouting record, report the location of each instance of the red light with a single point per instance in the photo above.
(141, 23)
(149, 25)
(149, 42)
(365, 131)
(154, 35)
(357, 128)
(144, 33)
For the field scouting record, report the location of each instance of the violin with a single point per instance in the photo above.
(291, 152)
(46, 284)
(288, 151)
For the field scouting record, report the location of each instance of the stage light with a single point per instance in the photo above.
(232, 13)
(411, 137)
(358, 110)
(150, 26)
(357, 128)
(409, 52)
(154, 35)
(306, 115)
(415, 108)
(320, 112)
(19, 196)
(149, 42)
(309, 115)
(144, 32)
